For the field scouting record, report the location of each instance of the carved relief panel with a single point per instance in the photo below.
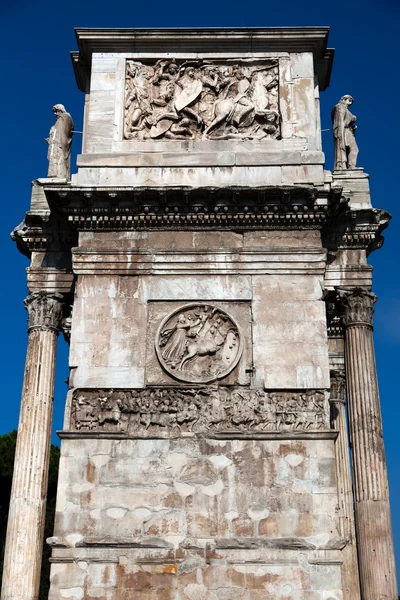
(199, 343)
(202, 99)
(198, 410)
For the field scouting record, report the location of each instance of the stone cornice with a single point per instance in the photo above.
(207, 40)
(239, 208)
(43, 230)
(356, 229)
(74, 208)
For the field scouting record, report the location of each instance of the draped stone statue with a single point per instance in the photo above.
(59, 141)
(346, 149)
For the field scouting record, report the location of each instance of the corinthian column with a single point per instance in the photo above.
(372, 510)
(351, 583)
(25, 529)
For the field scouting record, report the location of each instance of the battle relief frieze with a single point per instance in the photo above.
(202, 409)
(198, 347)
(202, 99)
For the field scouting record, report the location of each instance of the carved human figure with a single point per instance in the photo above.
(233, 105)
(165, 70)
(345, 145)
(137, 103)
(209, 77)
(176, 338)
(177, 99)
(59, 141)
(191, 88)
(210, 343)
(243, 113)
(168, 122)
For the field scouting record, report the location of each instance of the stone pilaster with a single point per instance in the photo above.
(23, 551)
(372, 510)
(351, 582)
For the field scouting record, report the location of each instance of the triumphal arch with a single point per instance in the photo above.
(212, 278)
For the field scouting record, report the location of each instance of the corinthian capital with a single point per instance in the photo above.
(357, 307)
(45, 311)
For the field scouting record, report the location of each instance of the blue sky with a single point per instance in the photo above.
(37, 73)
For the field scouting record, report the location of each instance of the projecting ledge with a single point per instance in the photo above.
(326, 434)
(206, 545)
(242, 157)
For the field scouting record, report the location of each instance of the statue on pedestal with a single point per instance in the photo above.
(346, 149)
(59, 140)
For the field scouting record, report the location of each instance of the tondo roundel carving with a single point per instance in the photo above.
(198, 343)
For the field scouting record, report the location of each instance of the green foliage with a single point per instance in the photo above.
(7, 453)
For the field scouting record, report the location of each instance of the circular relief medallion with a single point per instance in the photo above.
(198, 343)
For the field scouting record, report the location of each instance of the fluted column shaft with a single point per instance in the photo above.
(350, 576)
(25, 529)
(372, 510)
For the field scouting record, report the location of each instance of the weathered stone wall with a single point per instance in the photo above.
(229, 491)
(190, 518)
(293, 156)
(198, 458)
(277, 275)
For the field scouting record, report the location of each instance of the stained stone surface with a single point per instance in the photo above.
(200, 518)
(282, 313)
(200, 245)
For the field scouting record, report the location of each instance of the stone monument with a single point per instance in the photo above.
(213, 281)
(344, 127)
(59, 140)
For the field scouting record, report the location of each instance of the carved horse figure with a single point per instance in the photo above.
(208, 345)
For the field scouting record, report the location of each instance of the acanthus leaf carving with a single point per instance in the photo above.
(45, 311)
(357, 307)
(199, 410)
(199, 99)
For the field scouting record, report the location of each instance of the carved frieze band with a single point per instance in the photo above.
(202, 99)
(45, 311)
(338, 386)
(357, 307)
(199, 410)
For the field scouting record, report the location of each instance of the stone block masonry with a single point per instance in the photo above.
(211, 277)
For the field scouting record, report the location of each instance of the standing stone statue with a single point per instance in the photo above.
(59, 140)
(346, 149)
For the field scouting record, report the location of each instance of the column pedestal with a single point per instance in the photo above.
(372, 510)
(25, 529)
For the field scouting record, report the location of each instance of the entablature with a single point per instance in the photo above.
(238, 208)
(244, 40)
(59, 211)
